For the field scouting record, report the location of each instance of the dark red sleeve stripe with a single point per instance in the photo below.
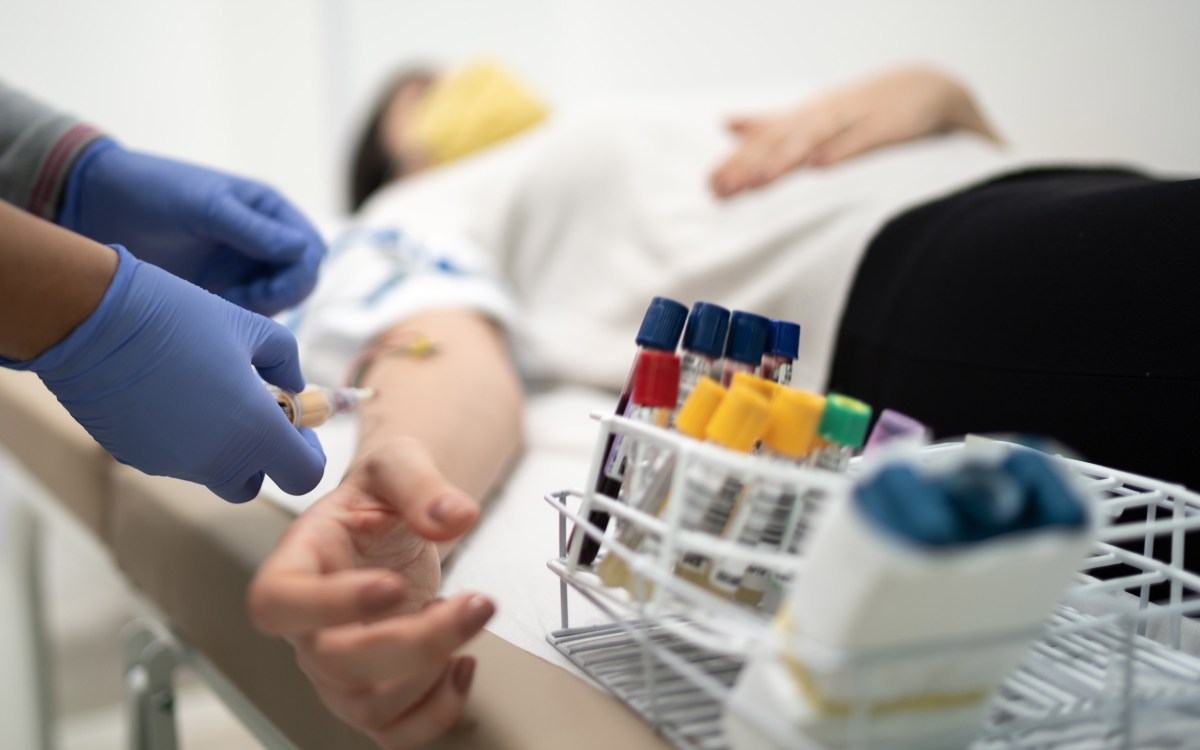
(57, 162)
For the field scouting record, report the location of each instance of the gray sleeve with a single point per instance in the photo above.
(38, 147)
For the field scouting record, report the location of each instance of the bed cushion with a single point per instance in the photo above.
(52, 446)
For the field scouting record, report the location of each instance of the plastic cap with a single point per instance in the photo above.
(738, 422)
(704, 399)
(656, 380)
(706, 328)
(792, 422)
(766, 388)
(844, 421)
(783, 338)
(747, 337)
(892, 425)
(662, 325)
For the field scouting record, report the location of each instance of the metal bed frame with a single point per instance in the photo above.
(153, 651)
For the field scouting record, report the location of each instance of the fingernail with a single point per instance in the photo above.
(450, 509)
(381, 595)
(464, 673)
(478, 610)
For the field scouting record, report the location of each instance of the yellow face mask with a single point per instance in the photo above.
(471, 108)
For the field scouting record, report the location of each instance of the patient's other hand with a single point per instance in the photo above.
(352, 585)
(894, 107)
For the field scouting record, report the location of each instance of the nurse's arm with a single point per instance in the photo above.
(50, 280)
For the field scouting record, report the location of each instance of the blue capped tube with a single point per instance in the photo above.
(744, 346)
(702, 345)
(783, 346)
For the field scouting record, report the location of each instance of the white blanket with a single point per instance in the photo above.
(588, 217)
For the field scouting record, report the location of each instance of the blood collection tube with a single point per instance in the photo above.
(316, 404)
(764, 512)
(692, 420)
(765, 388)
(840, 433)
(744, 346)
(783, 346)
(649, 484)
(894, 426)
(710, 494)
(660, 331)
(702, 345)
(652, 399)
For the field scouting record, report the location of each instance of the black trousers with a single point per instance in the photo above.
(1059, 302)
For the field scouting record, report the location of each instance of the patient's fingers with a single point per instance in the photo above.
(742, 125)
(863, 136)
(436, 714)
(397, 646)
(397, 679)
(765, 154)
(403, 475)
(287, 602)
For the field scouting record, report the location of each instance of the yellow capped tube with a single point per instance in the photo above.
(792, 422)
(766, 388)
(738, 422)
(702, 402)
(767, 510)
(711, 494)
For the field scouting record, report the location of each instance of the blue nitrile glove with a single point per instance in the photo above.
(234, 237)
(161, 375)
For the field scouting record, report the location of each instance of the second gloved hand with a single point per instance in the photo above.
(234, 237)
(162, 374)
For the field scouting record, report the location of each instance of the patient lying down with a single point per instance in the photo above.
(528, 257)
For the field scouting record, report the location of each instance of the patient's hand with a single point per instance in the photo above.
(352, 585)
(897, 106)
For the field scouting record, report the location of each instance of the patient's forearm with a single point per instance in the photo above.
(962, 112)
(463, 403)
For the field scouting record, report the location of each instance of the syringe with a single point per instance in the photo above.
(316, 404)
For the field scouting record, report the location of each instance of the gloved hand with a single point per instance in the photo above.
(160, 375)
(234, 237)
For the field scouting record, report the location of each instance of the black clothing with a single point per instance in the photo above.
(1060, 302)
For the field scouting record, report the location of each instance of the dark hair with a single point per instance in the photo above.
(372, 167)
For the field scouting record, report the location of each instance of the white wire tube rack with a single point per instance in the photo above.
(1113, 667)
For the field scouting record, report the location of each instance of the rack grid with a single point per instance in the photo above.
(1115, 666)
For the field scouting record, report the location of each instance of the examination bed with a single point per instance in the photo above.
(188, 558)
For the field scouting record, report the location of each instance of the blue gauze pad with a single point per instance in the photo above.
(971, 503)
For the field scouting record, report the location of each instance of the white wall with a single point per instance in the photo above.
(239, 85)
(273, 87)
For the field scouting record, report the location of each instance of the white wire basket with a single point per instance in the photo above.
(1114, 666)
